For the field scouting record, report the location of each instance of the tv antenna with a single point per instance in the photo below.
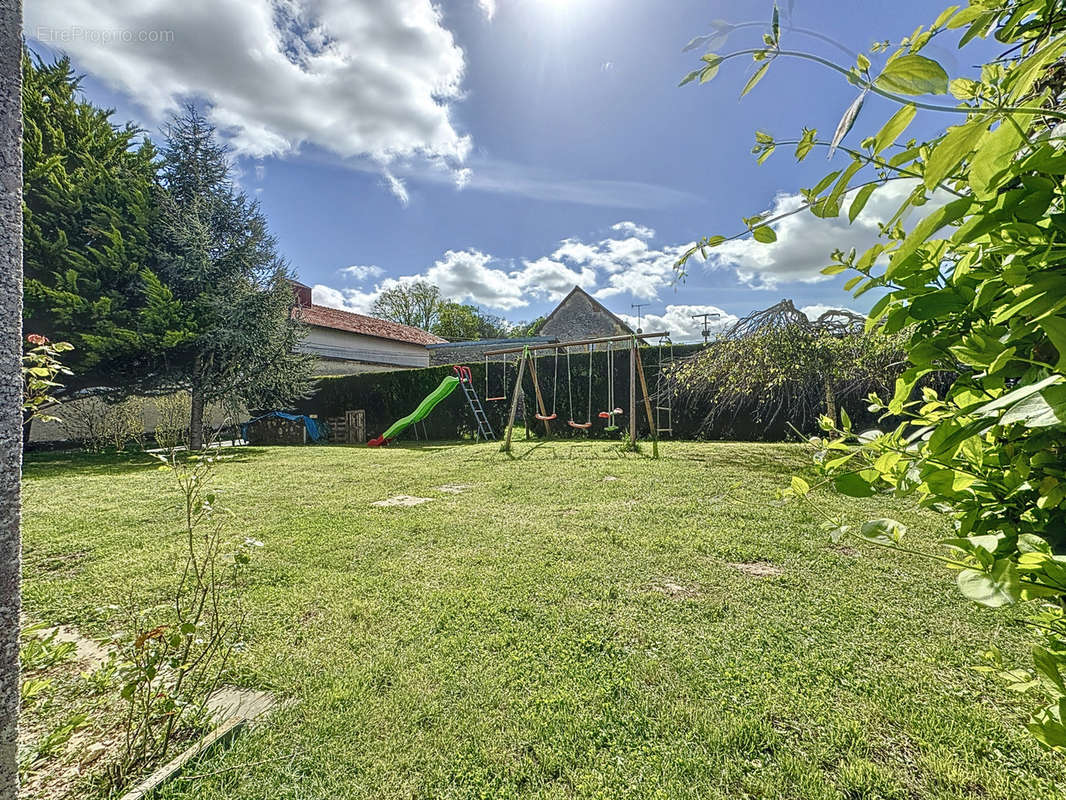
(638, 307)
(712, 315)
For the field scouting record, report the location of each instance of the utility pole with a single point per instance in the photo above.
(706, 324)
(637, 307)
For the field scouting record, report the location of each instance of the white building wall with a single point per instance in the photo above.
(364, 353)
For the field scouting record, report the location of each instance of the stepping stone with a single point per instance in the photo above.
(231, 701)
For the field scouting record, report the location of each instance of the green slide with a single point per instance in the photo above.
(447, 386)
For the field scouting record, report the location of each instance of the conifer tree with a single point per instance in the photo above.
(89, 200)
(220, 262)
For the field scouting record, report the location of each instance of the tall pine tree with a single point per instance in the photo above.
(89, 201)
(220, 262)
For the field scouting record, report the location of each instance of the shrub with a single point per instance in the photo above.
(172, 424)
(99, 425)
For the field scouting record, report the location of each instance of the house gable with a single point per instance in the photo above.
(582, 316)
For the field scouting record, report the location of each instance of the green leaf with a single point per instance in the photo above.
(993, 589)
(708, 72)
(758, 76)
(853, 485)
(764, 234)
(1042, 409)
(1009, 399)
(993, 158)
(945, 15)
(896, 124)
(936, 305)
(926, 228)
(913, 75)
(1047, 665)
(964, 89)
(1055, 329)
(883, 531)
(823, 184)
(859, 203)
(690, 77)
(953, 148)
(800, 486)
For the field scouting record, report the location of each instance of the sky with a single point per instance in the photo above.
(507, 150)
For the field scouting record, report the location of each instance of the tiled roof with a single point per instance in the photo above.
(325, 317)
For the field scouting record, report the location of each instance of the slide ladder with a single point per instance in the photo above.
(484, 428)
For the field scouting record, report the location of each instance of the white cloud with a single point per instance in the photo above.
(632, 266)
(360, 273)
(805, 242)
(466, 275)
(488, 8)
(678, 321)
(607, 267)
(345, 299)
(633, 229)
(365, 79)
(817, 309)
(397, 187)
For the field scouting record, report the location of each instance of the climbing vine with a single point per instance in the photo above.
(976, 284)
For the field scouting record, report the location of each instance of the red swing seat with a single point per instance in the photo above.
(580, 425)
(546, 417)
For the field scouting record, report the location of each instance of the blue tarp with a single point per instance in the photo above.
(315, 430)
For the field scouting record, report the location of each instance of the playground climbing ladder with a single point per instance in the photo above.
(484, 428)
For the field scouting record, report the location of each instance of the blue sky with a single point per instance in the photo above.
(356, 121)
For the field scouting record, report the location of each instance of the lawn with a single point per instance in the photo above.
(578, 622)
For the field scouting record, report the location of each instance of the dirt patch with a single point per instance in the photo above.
(675, 590)
(758, 569)
(454, 488)
(402, 500)
(64, 563)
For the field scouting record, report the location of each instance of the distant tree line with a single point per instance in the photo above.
(150, 261)
(422, 305)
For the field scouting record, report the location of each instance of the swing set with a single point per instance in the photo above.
(528, 360)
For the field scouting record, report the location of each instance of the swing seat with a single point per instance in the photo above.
(611, 428)
(581, 425)
(604, 415)
(494, 399)
(546, 417)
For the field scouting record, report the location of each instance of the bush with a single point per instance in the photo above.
(99, 425)
(172, 425)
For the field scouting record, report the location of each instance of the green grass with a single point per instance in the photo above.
(553, 633)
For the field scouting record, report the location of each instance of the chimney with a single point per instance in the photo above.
(302, 292)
